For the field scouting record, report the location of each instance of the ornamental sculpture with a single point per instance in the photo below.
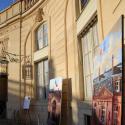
(39, 15)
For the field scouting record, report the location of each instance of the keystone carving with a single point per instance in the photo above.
(39, 15)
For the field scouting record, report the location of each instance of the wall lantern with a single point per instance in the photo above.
(3, 66)
(27, 70)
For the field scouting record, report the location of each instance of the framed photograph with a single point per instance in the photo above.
(108, 78)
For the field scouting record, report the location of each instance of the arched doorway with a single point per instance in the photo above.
(3, 87)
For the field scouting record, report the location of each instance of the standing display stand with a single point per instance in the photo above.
(58, 102)
(66, 115)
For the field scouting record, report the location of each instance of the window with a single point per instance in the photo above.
(42, 79)
(103, 116)
(90, 44)
(115, 118)
(42, 36)
(117, 86)
(83, 3)
(87, 119)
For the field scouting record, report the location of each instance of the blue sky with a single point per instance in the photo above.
(5, 3)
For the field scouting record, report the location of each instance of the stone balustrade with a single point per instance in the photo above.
(15, 9)
(28, 3)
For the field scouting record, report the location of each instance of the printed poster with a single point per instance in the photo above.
(54, 101)
(107, 79)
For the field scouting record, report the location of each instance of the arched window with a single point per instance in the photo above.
(42, 36)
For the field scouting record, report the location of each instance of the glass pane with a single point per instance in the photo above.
(40, 44)
(88, 86)
(84, 45)
(46, 75)
(91, 62)
(40, 82)
(86, 66)
(45, 34)
(40, 74)
(95, 35)
(89, 40)
(40, 37)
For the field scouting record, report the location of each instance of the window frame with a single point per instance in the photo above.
(44, 43)
(92, 51)
(103, 113)
(117, 86)
(45, 85)
(115, 116)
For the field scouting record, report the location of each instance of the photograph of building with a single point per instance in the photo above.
(107, 98)
(107, 79)
(41, 40)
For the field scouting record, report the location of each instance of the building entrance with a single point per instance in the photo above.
(2, 110)
(3, 88)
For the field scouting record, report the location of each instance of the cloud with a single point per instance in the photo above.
(110, 47)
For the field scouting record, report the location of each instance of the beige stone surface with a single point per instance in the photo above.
(62, 63)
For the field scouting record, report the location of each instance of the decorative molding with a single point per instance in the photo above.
(39, 15)
(9, 29)
(3, 46)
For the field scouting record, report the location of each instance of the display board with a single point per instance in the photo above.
(59, 102)
(107, 78)
(54, 101)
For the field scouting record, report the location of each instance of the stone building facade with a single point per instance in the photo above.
(91, 13)
(48, 35)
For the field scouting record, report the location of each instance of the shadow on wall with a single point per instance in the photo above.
(13, 97)
(38, 111)
(66, 110)
(51, 69)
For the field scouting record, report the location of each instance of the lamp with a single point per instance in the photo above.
(3, 66)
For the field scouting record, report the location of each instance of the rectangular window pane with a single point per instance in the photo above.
(45, 34)
(40, 38)
(46, 76)
(46, 71)
(40, 71)
(40, 83)
(84, 45)
(89, 40)
(95, 35)
(88, 86)
(86, 65)
(42, 79)
(90, 62)
(89, 48)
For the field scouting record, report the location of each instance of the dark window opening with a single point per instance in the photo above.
(87, 119)
(83, 3)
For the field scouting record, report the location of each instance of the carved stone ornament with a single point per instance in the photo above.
(3, 47)
(39, 15)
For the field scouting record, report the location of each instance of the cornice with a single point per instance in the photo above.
(27, 13)
(9, 21)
